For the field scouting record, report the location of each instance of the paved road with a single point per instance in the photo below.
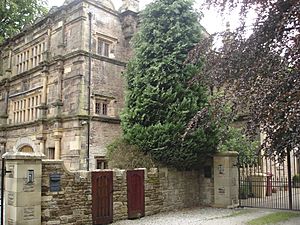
(205, 216)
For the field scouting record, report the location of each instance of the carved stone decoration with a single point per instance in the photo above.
(24, 142)
(129, 25)
(130, 5)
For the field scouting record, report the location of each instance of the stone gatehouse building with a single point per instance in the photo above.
(44, 81)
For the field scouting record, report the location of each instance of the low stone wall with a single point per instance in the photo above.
(206, 186)
(153, 196)
(179, 189)
(119, 195)
(165, 190)
(55, 196)
(73, 203)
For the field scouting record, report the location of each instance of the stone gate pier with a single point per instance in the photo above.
(226, 187)
(23, 188)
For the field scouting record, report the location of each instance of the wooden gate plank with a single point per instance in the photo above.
(135, 194)
(102, 197)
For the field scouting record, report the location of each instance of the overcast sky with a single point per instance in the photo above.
(211, 21)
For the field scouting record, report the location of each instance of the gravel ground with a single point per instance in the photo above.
(205, 216)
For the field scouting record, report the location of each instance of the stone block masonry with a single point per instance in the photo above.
(165, 190)
(44, 74)
(119, 195)
(61, 197)
(23, 189)
(226, 179)
(72, 202)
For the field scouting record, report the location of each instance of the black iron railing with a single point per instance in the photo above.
(270, 184)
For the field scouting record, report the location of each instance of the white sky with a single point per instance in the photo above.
(211, 21)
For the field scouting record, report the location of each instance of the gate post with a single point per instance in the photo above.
(23, 188)
(225, 179)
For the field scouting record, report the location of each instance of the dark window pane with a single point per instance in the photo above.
(51, 152)
(104, 108)
(97, 108)
(100, 47)
(106, 49)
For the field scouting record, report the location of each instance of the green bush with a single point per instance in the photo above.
(161, 99)
(236, 140)
(244, 190)
(296, 180)
(123, 155)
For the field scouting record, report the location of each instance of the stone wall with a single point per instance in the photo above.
(73, 203)
(206, 190)
(119, 195)
(49, 63)
(153, 196)
(165, 190)
(179, 189)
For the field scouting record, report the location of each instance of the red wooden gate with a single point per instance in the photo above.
(135, 194)
(102, 197)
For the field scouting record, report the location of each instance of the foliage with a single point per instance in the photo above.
(125, 156)
(160, 100)
(244, 190)
(296, 178)
(229, 137)
(235, 140)
(16, 14)
(260, 73)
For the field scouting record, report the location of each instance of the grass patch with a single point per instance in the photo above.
(273, 218)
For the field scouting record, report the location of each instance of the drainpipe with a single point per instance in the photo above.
(89, 92)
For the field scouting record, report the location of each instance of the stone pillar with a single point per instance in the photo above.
(57, 135)
(72, 159)
(23, 188)
(43, 146)
(4, 110)
(43, 108)
(57, 148)
(129, 19)
(225, 180)
(60, 71)
(2, 145)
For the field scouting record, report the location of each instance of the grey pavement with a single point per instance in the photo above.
(206, 216)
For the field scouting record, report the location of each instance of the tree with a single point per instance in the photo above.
(160, 99)
(236, 140)
(261, 73)
(16, 14)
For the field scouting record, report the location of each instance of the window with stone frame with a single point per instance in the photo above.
(103, 47)
(25, 109)
(30, 57)
(101, 163)
(104, 108)
(51, 153)
(101, 107)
